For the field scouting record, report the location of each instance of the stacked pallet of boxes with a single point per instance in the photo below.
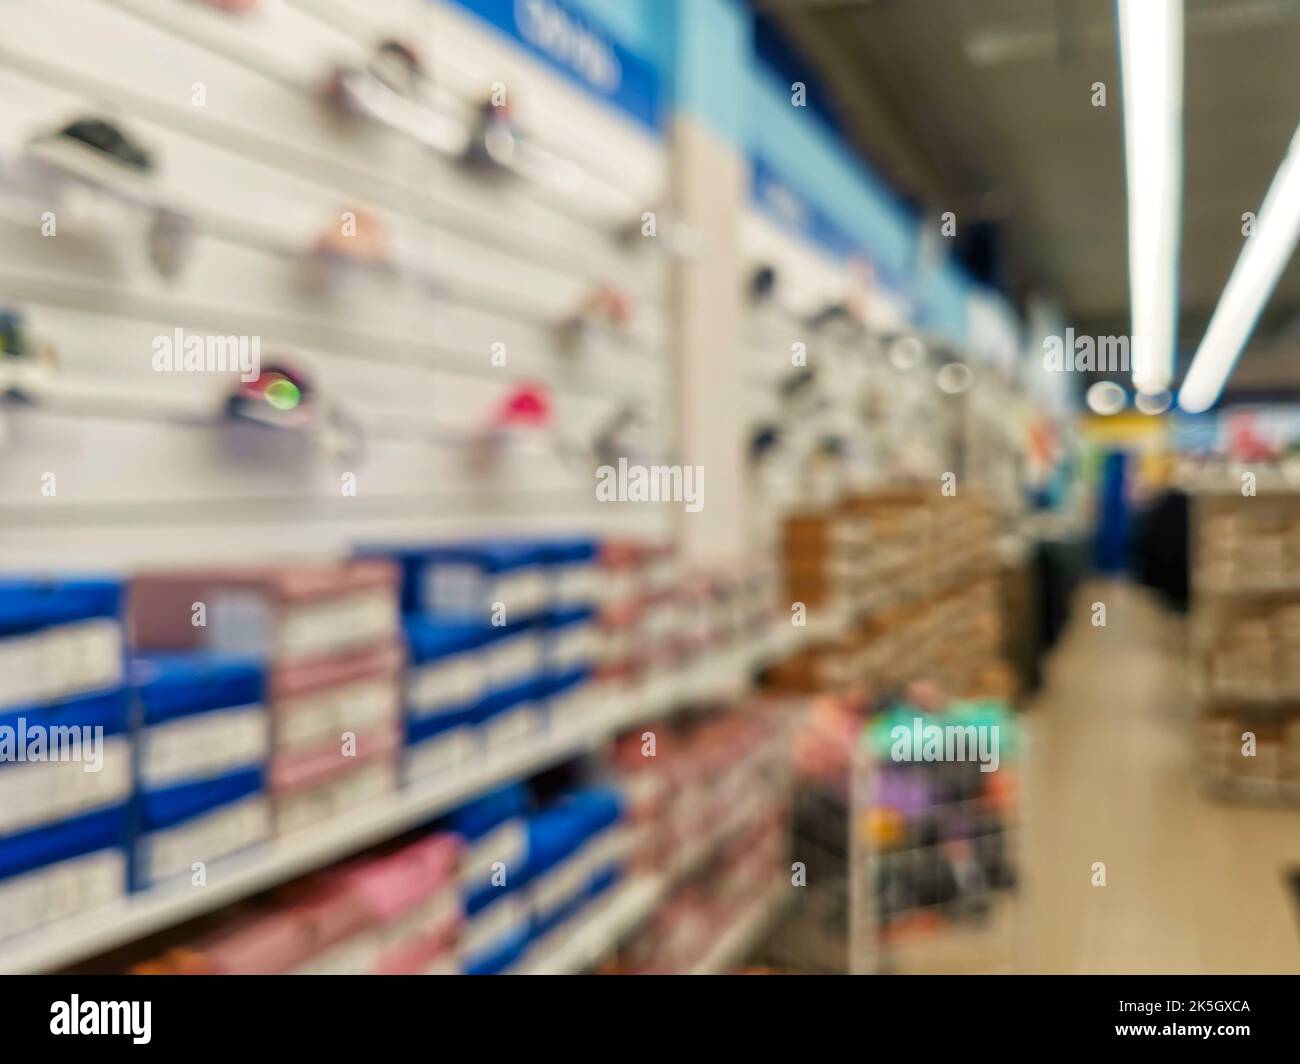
(908, 582)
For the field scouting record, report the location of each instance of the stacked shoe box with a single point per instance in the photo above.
(494, 879)
(394, 912)
(529, 872)
(65, 751)
(473, 617)
(328, 635)
(638, 610)
(1243, 657)
(827, 562)
(204, 744)
(1245, 551)
(571, 638)
(578, 847)
(1246, 749)
(501, 636)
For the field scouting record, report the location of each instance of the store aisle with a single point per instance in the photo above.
(1191, 886)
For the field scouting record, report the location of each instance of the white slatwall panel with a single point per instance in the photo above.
(264, 167)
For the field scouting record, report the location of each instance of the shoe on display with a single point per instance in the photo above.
(95, 150)
(495, 140)
(26, 366)
(762, 283)
(763, 441)
(605, 306)
(394, 88)
(361, 238)
(397, 66)
(279, 397)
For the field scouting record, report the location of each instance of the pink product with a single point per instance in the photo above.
(295, 678)
(283, 939)
(341, 906)
(435, 952)
(314, 768)
(307, 790)
(314, 703)
(391, 886)
(284, 613)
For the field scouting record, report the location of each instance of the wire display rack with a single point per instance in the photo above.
(935, 846)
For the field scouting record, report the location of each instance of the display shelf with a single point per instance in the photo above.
(744, 933)
(138, 915)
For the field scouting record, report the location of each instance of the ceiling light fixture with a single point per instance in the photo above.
(1260, 264)
(1151, 67)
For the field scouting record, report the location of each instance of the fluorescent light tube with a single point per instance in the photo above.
(1151, 67)
(1260, 264)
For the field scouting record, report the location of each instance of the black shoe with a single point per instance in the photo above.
(106, 138)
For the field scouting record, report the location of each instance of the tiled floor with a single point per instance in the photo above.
(1191, 885)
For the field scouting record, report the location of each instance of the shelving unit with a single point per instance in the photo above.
(1244, 554)
(136, 916)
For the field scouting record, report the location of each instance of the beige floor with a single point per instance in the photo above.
(1192, 885)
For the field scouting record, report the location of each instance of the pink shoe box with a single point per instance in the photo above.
(276, 613)
(310, 786)
(314, 702)
(409, 904)
(623, 640)
(435, 952)
(282, 940)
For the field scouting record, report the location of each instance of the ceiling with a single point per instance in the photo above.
(984, 107)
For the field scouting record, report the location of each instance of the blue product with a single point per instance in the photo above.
(447, 664)
(26, 605)
(582, 550)
(234, 804)
(494, 829)
(203, 746)
(59, 870)
(202, 715)
(86, 738)
(441, 743)
(510, 715)
(101, 829)
(498, 926)
(58, 638)
(515, 654)
(498, 957)
(571, 569)
(554, 838)
(475, 819)
(168, 806)
(569, 638)
(466, 578)
(178, 685)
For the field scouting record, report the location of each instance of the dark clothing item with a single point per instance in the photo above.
(1160, 552)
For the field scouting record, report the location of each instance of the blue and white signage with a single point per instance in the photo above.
(570, 42)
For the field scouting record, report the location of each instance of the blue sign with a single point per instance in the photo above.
(776, 199)
(569, 42)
